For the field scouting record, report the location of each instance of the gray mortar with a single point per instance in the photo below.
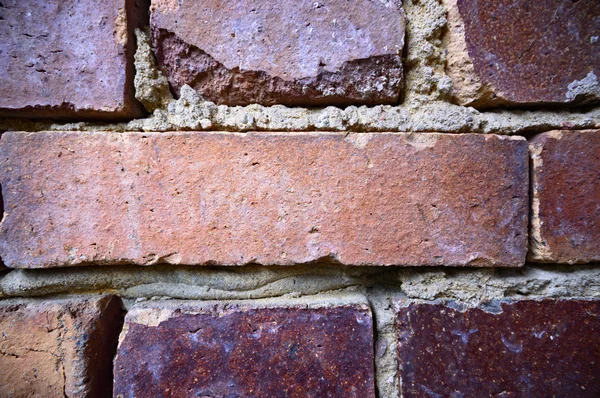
(384, 288)
(426, 106)
(207, 283)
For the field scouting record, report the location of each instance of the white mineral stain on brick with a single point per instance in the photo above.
(359, 140)
(422, 141)
(588, 86)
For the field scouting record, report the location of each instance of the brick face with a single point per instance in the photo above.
(58, 348)
(523, 52)
(66, 58)
(211, 198)
(213, 351)
(566, 197)
(527, 348)
(299, 53)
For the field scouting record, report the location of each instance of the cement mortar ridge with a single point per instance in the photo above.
(468, 285)
(425, 108)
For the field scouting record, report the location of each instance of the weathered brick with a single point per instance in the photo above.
(246, 350)
(288, 52)
(58, 348)
(528, 348)
(523, 52)
(220, 198)
(565, 225)
(67, 58)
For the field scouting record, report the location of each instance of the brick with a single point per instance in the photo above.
(297, 53)
(76, 64)
(521, 52)
(566, 197)
(58, 348)
(246, 350)
(75, 198)
(528, 348)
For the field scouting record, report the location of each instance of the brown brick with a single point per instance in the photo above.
(288, 52)
(566, 197)
(239, 350)
(58, 348)
(220, 198)
(529, 348)
(523, 52)
(68, 58)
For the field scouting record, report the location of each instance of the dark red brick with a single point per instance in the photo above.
(548, 348)
(232, 351)
(566, 197)
(515, 52)
(58, 348)
(290, 52)
(218, 198)
(68, 58)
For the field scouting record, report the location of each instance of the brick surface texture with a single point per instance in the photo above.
(210, 198)
(263, 352)
(60, 348)
(546, 348)
(566, 197)
(523, 52)
(67, 58)
(284, 52)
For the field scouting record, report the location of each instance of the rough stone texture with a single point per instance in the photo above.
(565, 225)
(521, 52)
(58, 348)
(77, 64)
(212, 198)
(546, 348)
(306, 53)
(234, 350)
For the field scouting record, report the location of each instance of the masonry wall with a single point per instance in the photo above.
(300, 198)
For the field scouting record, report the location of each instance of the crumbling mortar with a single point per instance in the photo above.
(425, 107)
(383, 288)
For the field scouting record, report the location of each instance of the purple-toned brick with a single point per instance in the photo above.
(213, 350)
(565, 220)
(68, 58)
(548, 348)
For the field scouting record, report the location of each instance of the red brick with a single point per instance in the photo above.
(523, 52)
(58, 348)
(289, 52)
(566, 197)
(219, 198)
(68, 58)
(222, 351)
(529, 348)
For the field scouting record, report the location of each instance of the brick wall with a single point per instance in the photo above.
(300, 198)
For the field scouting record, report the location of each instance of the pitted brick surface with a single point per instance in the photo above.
(305, 53)
(566, 197)
(220, 198)
(528, 348)
(67, 58)
(58, 348)
(523, 52)
(265, 352)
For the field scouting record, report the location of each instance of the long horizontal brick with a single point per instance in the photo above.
(522, 52)
(68, 58)
(566, 197)
(298, 349)
(528, 348)
(218, 198)
(58, 348)
(289, 52)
